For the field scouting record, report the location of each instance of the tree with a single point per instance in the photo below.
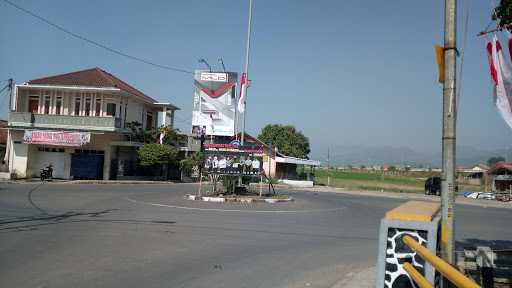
(172, 137)
(153, 154)
(493, 160)
(287, 139)
(503, 13)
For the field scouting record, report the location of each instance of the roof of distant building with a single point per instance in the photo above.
(499, 166)
(94, 77)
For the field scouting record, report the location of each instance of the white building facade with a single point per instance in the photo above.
(79, 123)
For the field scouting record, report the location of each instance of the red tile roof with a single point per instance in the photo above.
(94, 77)
(500, 165)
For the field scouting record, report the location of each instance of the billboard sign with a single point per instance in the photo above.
(214, 103)
(233, 160)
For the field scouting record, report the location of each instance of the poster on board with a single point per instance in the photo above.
(214, 102)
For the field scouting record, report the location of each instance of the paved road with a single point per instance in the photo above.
(64, 235)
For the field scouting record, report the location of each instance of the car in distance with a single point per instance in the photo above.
(433, 186)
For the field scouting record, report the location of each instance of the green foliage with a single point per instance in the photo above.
(194, 160)
(503, 13)
(153, 154)
(493, 160)
(287, 139)
(172, 137)
(136, 135)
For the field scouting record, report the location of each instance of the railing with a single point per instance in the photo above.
(450, 273)
(30, 120)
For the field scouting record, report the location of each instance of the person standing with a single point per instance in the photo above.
(248, 165)
(215, 164)
(255, 166)
(222, 165)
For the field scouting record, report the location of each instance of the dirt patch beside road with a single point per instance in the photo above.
(412, 196)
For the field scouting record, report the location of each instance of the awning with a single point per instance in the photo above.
(298, 161)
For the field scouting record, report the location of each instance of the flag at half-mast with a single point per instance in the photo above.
(501, 79)
(241, 99)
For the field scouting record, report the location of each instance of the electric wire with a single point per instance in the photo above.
(464, 44)
(5, 87)
(95, 43)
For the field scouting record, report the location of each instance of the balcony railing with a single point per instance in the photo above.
(30, 120)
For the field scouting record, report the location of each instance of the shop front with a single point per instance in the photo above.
(72, 155)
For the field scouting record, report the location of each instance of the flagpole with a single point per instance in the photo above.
(248, 47)
(235, 122)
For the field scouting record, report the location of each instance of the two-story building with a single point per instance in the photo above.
(79, 123)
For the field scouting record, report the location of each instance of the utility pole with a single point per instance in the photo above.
(247, 50)
(328, 167)
(449, 133)
(11, 92)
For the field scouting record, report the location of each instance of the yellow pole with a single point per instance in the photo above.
(416, 276)
(450, 273)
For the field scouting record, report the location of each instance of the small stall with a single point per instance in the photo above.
(501, 175)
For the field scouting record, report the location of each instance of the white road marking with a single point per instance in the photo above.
(235, 210)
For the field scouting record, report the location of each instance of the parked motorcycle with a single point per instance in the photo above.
(46, 173)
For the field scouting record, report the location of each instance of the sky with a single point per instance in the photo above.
(345, 73)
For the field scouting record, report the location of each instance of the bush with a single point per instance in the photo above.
(153, 154)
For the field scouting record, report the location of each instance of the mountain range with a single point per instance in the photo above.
(380, 155)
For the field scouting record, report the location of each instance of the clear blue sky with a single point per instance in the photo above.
(344, 72)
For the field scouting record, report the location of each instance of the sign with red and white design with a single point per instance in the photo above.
(56, 138)
(214, 103)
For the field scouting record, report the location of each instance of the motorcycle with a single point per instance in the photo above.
(46, 173)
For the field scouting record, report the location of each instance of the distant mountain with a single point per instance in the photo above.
(380, 155)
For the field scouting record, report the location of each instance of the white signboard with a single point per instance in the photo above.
(214, 103)
(215, 77)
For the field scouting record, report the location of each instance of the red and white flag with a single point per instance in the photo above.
(501, 80)
(161, 138)
(241, 99)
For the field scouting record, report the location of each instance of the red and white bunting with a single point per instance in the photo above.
(501, 79)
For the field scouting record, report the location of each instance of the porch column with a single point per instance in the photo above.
(41, 101)
(106, 162)
(101, 105)
(172, 119)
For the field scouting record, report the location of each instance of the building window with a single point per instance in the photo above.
(111, 109)
(98, 107)
(76, 109)
(47, 104)
(58, 105)
(88, 106)
(33, 104)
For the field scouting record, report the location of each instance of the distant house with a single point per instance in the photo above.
(501, 175)
(79, 123)
(475, 175)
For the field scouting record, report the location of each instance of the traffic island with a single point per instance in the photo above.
(241, 198)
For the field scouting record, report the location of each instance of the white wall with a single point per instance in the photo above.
(18, 158)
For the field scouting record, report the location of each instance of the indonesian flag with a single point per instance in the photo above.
(162, 135)
(241, 99)
(509, 43)
(501, 80)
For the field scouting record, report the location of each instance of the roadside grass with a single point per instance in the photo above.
(379, 181)
(372, 181)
